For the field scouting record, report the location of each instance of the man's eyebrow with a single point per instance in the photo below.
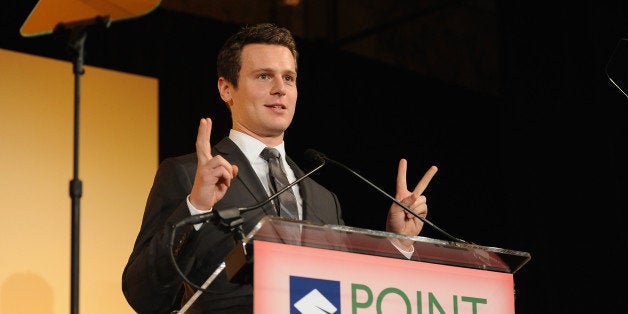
(291, 72)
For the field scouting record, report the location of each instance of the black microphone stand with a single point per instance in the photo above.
(77, 33)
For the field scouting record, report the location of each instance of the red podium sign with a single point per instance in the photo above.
(347, 270)
(374, 284)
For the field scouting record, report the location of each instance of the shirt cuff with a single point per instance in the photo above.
(407, 254)
(194, 211)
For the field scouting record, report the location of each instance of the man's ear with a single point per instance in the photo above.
(225, 88)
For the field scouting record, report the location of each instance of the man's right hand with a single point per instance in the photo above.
(213, 173)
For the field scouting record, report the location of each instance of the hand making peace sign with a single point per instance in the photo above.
(399, 221)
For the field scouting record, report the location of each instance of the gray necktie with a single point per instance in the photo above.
(277, 181)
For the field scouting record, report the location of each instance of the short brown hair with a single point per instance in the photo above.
(228, 62)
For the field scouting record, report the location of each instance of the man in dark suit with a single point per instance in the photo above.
(257, 75)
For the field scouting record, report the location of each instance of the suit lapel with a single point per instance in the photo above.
(304, 187)
(246, 175)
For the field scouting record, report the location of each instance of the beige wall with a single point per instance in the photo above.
(117, 160)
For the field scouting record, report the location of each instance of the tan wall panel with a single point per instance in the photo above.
(117, 161)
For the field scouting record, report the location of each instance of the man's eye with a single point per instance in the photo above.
(263, 76)
(288, 78)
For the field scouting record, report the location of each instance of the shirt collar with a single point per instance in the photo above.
(252, 147)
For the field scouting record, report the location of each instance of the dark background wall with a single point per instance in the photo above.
(531, 153)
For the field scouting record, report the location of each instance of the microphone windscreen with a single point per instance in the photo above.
(315, 156)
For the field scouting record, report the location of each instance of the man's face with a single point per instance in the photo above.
(264, 102)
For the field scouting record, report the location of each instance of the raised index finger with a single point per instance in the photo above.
(203, 147)
(427, 177)
(401, 175)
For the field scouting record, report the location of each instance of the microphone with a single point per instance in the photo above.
(320, 157)
(231, 216)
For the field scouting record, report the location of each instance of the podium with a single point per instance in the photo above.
(341, 269)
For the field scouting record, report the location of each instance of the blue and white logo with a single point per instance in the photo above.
(314, 296)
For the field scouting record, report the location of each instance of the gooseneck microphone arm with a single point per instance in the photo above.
(315, 155)
(228, 217)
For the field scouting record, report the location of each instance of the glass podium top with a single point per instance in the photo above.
(378, 243)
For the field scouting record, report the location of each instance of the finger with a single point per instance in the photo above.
(420, 205)
(218, 162)
(414, 201)
(427, 177)
(401, 175)
(222, 175)
(203, 147)
(409, 200)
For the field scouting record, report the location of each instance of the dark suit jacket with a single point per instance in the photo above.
(150, 282)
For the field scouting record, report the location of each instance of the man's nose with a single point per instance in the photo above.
(279, 87)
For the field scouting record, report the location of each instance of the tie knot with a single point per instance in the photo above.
(269, 152)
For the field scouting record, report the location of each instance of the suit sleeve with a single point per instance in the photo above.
(150, 283)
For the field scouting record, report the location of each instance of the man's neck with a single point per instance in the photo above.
(270, 141)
